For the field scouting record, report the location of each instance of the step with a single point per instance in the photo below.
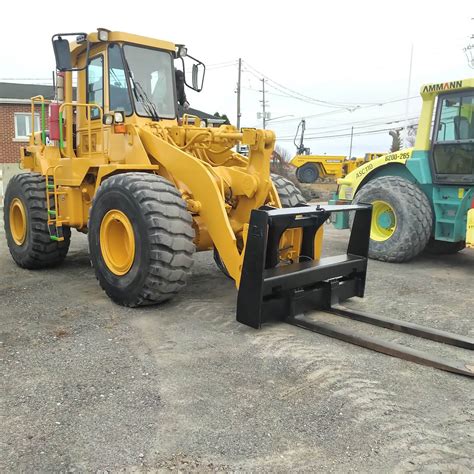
(446, 221)
(448, 202)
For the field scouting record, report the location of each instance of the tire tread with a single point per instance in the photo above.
(44, 251)
(170, 232)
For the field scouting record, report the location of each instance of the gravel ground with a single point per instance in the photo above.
(91, 386)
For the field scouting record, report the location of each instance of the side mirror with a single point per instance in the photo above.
(198, 76)
(62, 54)
(62, 51)
(198, 71)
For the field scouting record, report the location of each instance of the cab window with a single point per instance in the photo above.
(456, 118)
(119, 98)
(453, 149)
(95, 85)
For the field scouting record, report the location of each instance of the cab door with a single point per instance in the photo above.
(452, 151)
(91, 136)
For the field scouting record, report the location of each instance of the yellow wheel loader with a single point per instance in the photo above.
(150, 188)
(310, 168)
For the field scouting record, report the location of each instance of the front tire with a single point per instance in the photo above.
(140, 239)
(401, 218)
(26, 224)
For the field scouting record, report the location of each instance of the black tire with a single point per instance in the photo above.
(163, 235)
(413, 214)
(220, 264)
(290, 195)
(37, 249)
(308, 173)
(441, 247)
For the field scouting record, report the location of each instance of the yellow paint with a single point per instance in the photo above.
(117, 242)
(119, 37)
(18, 221)
(349, 184)
(460, 193)
(332, 166)
(470, 229)
(378, 231)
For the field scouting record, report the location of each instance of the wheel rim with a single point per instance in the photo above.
(18, 221)
(384, 221)
(117, 242)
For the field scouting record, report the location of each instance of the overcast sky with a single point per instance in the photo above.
(354, 53)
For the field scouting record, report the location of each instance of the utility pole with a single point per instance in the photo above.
(407, 104)
(239, 75)
(264, 116)
(350, 147)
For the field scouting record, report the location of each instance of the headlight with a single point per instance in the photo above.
(103, 34)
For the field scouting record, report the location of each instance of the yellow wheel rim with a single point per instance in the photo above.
(18, 221)
(117, 242)
(384, 221)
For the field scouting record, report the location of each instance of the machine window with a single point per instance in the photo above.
(95, 84)
(152, 73)
(450, 158)
(456, 121)
(119, 98)
(453, 150)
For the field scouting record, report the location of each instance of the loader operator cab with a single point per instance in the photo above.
(126, 73)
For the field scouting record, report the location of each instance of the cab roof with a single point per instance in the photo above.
(119, 36)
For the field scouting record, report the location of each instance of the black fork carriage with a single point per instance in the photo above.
(274, 290)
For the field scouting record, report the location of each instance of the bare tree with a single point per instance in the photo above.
(411, 135)
(396, 140)
(280, 164)
(279, 161)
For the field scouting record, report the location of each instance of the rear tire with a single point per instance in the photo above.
(441, 247)
(290, 196)
(308, 173)
(146, 256)
(412, 218)
(26, 224)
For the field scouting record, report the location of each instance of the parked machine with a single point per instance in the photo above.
(150, 189)
(310, 168)
(422, 196)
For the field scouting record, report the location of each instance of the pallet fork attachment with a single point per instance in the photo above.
(270, 290)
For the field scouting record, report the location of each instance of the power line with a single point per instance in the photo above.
(369, 132)
(287, 94)
(355, 127)
(381, 104)
(378, 120)
(293, 92)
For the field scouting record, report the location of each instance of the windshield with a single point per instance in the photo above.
(152, 72)
(456, 120)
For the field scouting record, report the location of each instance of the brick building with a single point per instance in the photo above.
(15, 122)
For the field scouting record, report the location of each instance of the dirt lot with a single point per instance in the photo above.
(91, 386)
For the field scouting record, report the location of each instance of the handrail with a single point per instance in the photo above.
(35, 99)
(89, 108)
